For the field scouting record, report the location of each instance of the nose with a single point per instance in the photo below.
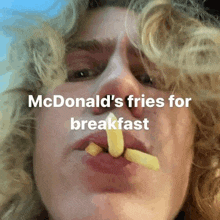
(118, 81)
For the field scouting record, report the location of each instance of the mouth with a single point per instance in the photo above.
(100, 138)
(104, 162)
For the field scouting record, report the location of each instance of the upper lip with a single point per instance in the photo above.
(100, 138)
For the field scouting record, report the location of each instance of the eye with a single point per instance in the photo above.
(80, 75)
(145, 79)
(87, 73)
(141, 75)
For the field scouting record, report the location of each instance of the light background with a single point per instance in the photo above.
(7, 9)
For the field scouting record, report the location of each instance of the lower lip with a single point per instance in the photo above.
(105, 163)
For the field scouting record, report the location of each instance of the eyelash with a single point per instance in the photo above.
(141, 75)
(74, 77)
(79, 75)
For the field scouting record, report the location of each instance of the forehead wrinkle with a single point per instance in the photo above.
(97, 46)
(101, 46)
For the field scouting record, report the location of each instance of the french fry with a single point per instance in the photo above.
(146, 160)
(115, 138)
(93, 149)
(116, 148)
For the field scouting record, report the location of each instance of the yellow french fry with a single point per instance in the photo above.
(146, 160)
(115, 138)
(93, 149)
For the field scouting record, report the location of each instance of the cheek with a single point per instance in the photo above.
(172, 133)
(54, 122)
(175, 135)
(53, 125)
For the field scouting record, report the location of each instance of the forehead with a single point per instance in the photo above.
(107, 23)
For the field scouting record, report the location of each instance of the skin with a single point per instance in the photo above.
(71, 190)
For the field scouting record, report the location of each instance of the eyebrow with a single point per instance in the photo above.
(92, 45)
(96, 46)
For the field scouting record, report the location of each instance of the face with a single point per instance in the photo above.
(73, 188)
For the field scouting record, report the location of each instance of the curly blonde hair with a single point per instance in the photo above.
(178, 36)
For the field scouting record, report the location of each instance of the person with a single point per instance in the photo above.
(119, 48)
